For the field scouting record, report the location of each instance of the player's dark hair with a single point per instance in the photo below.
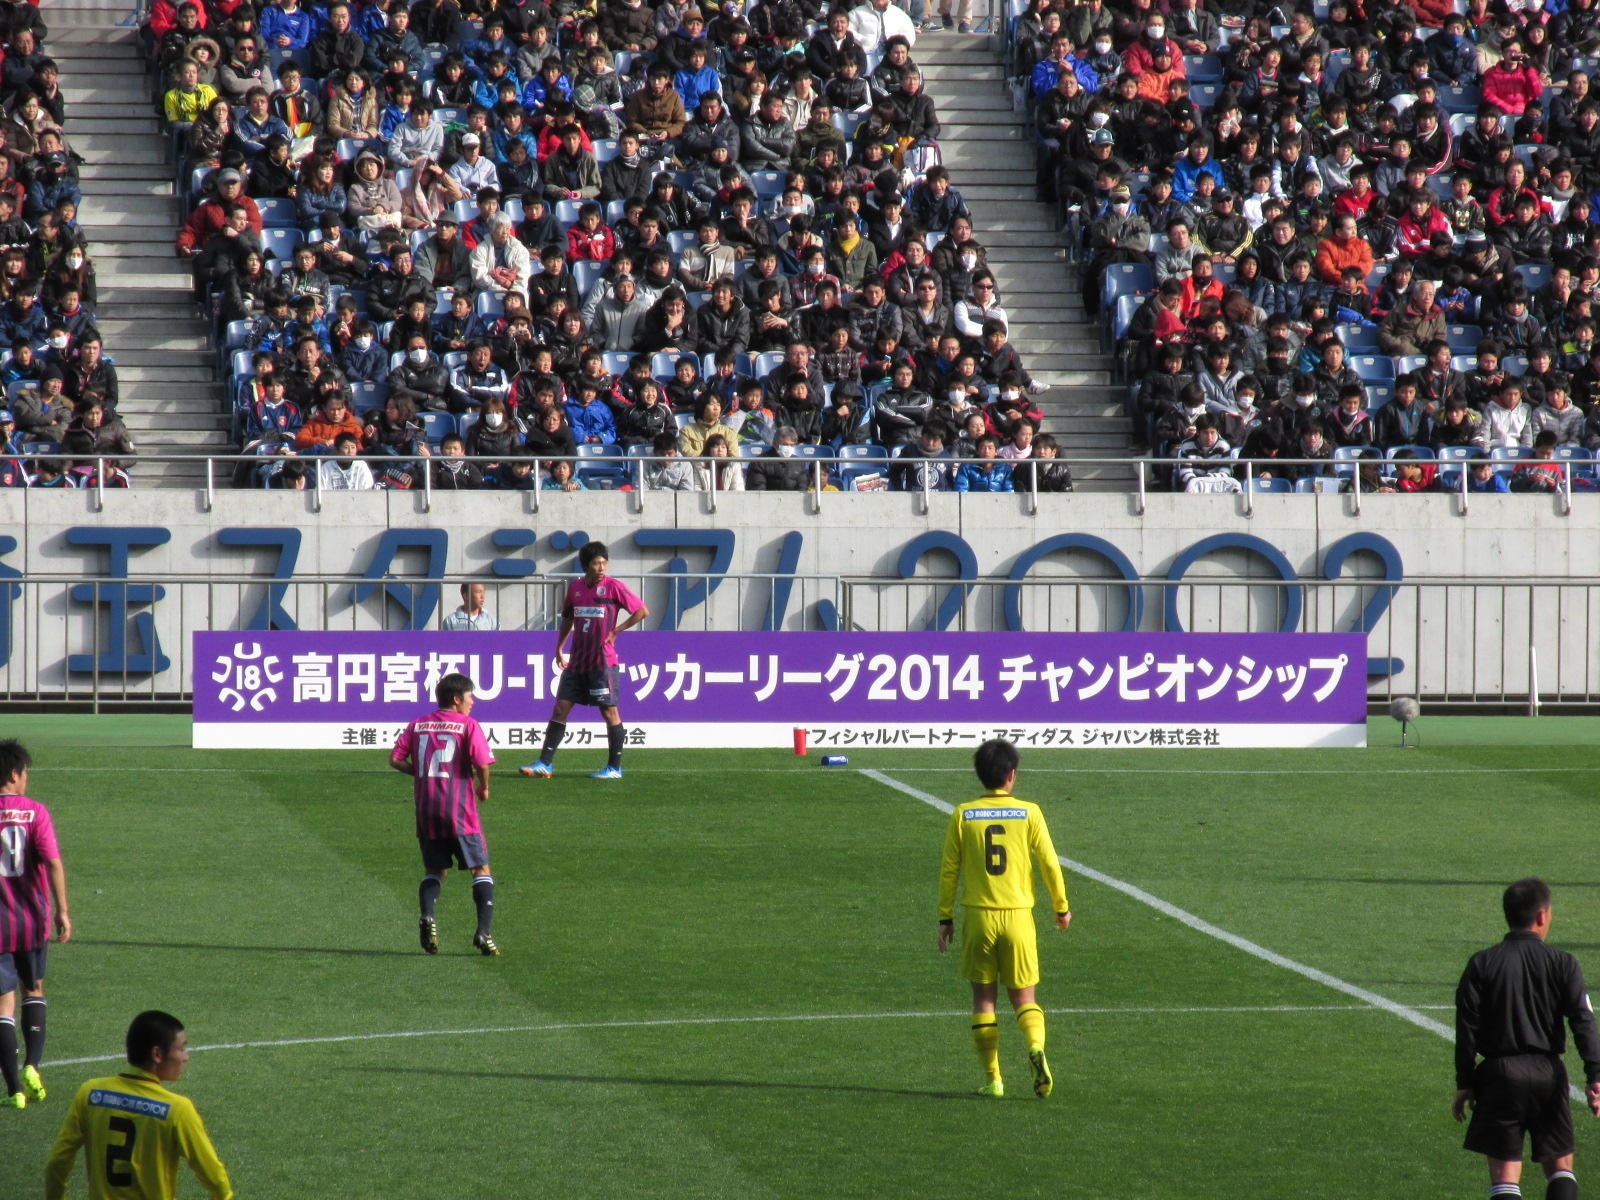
(451, 688)
(1523, 900)
(151, 1031)
(994, 761)
(592, 551)
(13, 759)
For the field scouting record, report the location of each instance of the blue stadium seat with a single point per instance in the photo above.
(1463, 339)
(280, 243)
(1358, 339)
(1378, 394)
(1344, 459)
(1126, 307)
(1378, 368)
(1205, 94)
(1506, 458)
(664, 363)
(616, 361)
(1122, 279)
(1409, 362)
(1203, 68)
(277, 212)
(1583, 462)
(1534, 274)
(1264, 487)
(436, 425)
(1460, 98)
(681, 239)
(766, 362)
(605, 149)
(768, 185)
(1515, 364)
(368, 396)
(491, 304)
(585, 273)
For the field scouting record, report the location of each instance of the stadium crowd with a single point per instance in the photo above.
(61, 389)
(457, 243)
(1346, 231)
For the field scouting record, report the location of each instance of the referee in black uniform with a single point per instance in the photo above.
(1509, 1007)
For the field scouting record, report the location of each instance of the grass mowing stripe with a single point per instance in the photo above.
(1200, 924)
(670, 1022)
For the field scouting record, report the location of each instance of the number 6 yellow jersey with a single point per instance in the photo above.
(990, 847)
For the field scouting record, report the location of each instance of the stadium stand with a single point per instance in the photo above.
(439, 208)
(62, 385)
(1363, 236)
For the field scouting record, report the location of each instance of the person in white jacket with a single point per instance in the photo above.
(344, 472)
(501, 263)
(876, 21)
(1508, 421)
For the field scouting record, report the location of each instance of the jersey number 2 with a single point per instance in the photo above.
(119, 1159)
(994, 854)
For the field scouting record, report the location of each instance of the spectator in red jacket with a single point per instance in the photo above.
(210, 216)
(1421, 220)
(1512, 83)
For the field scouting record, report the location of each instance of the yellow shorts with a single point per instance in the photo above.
(1000, 945)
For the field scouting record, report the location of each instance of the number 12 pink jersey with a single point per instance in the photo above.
(443, 747)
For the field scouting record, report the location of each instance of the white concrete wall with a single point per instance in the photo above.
(1452, 639)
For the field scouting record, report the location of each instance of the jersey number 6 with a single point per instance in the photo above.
(994, 854)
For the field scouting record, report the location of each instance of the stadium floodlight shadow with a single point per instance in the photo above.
(655, 1081)
(348, 951)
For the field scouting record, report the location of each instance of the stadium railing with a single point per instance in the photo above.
(613, 469)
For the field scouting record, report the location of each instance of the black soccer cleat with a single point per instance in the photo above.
(428, 934)
(486, 946)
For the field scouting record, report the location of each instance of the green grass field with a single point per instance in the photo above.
(720, 977)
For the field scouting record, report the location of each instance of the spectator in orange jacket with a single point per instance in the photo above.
(1202, 282)
(1345, 249)
(327, 423)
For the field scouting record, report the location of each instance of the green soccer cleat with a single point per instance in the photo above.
(1042, 1080)
(32, 1084)
(15, 1100)
(486, 946)
(993, 1088)
(428, 934)
(538, 770)
(607, 773)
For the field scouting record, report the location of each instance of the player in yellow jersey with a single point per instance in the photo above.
(133, 1129)
(990, 849)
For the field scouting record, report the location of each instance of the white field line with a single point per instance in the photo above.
(668, 1022)
(1406, 1012)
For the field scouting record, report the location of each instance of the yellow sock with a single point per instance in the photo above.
(1030, 1019)
(986, 1037)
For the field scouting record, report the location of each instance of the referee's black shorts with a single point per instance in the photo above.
(1516, 1095)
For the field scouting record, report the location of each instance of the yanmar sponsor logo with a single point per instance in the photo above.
(16, 816)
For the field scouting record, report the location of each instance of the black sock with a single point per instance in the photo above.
(428, 894)
(483, 897)
(1563, 1185)
(33, 1013)
(615, 736)
(553, 733)
(9, 1082)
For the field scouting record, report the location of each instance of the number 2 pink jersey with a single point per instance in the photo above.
(27, 842)
(596, 611)
(444, 746)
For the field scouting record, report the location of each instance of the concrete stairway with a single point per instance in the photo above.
(170, 399)
(990, 157)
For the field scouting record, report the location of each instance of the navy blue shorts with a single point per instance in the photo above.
(598, 688)
(22, 968)
(440, 854)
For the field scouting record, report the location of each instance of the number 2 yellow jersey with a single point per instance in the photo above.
(134, 1133)
(989, 850)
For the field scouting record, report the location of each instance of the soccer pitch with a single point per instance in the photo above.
(720, 977)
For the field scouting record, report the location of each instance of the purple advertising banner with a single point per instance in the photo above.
(296, 689)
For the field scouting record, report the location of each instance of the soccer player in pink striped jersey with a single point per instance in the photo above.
(591, 614)
(448, 759)
(31, 878)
